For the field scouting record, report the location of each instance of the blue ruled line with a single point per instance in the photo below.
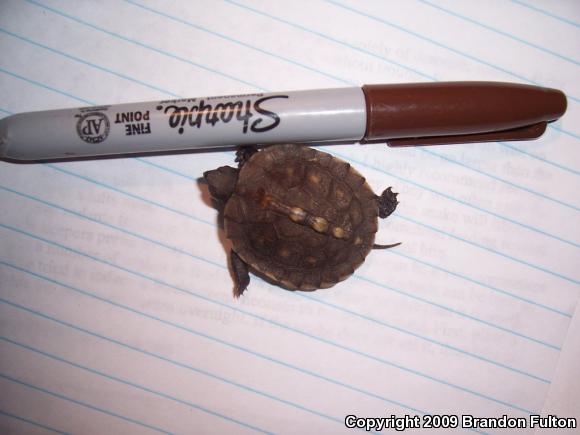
(131, 195)
(84, 62)
(140, 44)
(74, 327)
(542, 159)
(151, 391)
(269, 321)
(561, 130)
(166, 396)
(237, 42)
(501, 180)
(545, 12)
(485, 248)
(42, 85)
(31, 422)
(170, 171)
(335, 40)
(83, 404)
(421, 337)
(445, 46)
(337, 307)
(468, 316)
(500, 32)
(466, 278)
(188, 330)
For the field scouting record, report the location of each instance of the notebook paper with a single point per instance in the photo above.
(117, 313)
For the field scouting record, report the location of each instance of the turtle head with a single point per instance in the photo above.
(221, 182)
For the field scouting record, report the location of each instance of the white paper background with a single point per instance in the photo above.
(117, 313)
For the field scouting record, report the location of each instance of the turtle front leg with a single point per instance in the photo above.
(244, 153)
(387, 202)
(241, 274)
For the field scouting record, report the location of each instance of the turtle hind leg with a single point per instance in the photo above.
(387, 202)
(241, 274)
(375, 246)
(244, 153)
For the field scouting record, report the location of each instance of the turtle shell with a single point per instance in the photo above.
(290, 254)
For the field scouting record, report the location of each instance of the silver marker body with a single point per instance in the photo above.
(300, 116)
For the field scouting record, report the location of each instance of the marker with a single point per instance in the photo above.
(400, 114)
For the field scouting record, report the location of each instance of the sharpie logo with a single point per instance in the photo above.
(93, 127)
(250, 114)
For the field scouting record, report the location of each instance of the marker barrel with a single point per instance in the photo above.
(265, 118)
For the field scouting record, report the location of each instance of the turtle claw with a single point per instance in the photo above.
(387, 202)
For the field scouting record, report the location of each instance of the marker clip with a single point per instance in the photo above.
(522, 133)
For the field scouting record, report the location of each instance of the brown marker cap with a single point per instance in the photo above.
(459, 112)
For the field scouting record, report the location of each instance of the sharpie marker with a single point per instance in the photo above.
(400, 114)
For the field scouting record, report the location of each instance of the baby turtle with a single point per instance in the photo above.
(298, 217)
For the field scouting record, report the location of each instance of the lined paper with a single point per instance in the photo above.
(116, 305)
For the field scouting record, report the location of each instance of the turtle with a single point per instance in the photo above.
(298, 217)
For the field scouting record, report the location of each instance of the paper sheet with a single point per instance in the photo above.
(116, 310)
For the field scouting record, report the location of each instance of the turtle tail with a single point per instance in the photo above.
(375, 246)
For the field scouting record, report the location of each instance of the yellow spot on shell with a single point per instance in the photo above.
(358, 241)
(297, 214)
(338, 232)
(320, 224)
(314, 178)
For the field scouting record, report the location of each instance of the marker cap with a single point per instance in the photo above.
(459, 112)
